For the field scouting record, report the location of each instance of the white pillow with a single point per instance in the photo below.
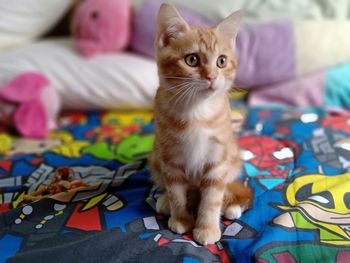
(212, 10)
(109, 81)
(262, 11)
(21, 21)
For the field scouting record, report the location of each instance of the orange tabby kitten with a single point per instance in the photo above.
(195, 157)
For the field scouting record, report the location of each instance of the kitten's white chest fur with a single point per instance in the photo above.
(198, 145)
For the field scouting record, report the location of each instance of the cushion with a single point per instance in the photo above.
(212, 10)
(268, 52)
(22, 21)
(328, 88)
(111, 81)
(145, 24)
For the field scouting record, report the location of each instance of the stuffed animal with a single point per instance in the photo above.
(100, 26)
(29, 104)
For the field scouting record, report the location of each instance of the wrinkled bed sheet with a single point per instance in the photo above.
(297, 161)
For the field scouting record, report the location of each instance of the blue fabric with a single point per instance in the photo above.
(297, 166)
(337, 87)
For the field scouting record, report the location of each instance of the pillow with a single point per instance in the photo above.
(272, 52)
(23, 20)
(145, 22)
(256, 45)
(264, 11)
(268, 52)
(212, 10)
(328, 88)
(113, 81)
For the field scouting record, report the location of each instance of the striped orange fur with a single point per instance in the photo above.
(196, 157)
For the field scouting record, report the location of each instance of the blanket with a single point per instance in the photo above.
(296, 160)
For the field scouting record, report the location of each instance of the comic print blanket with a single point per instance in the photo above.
(296, 160)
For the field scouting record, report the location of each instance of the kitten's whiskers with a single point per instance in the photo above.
(178, 86)
(180, 91)
(184, 78)
(184, 94)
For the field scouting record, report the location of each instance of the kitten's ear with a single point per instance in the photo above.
(170, 25)
(229, 26)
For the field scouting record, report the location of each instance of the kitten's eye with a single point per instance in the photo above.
(222, 61)
(192, 60)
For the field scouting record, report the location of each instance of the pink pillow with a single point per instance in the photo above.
(100, 26)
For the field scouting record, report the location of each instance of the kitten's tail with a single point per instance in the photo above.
(238, 193)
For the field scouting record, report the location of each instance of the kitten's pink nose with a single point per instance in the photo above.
(210, 77)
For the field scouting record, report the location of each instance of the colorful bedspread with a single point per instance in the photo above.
(296, 161)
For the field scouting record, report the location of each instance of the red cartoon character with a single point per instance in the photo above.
(268, 158)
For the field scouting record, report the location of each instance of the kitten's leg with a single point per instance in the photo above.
(207, 230)
(163, 206)
(181, 220)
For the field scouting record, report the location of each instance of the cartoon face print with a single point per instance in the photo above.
(126, 118)
(266, 152)
(321, 203)
(268, 159)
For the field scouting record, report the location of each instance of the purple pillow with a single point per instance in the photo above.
(266, 54)
(265, 51)
(145, 24)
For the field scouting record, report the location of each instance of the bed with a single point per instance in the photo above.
(296, 161)
(293, 129)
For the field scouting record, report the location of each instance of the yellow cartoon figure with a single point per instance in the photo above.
(69, 147)
(5, 143)
(126, 118)
(319, 202)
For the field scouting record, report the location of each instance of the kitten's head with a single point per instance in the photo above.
(201, 60)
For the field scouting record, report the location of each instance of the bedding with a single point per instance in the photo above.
(330, 90)
(121, 80)
(269, 52)
(277, 51)
(22, 21)
(257, 11)
(297, 160)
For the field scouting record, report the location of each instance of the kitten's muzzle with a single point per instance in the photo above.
(209, 84)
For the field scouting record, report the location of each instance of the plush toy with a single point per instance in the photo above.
(100, 26)
(29, 104)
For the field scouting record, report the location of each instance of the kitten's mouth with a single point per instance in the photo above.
(210, 88)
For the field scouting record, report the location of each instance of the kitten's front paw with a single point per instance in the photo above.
(180, 225)
(207, 235)
(233, 212)
(163, 206)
